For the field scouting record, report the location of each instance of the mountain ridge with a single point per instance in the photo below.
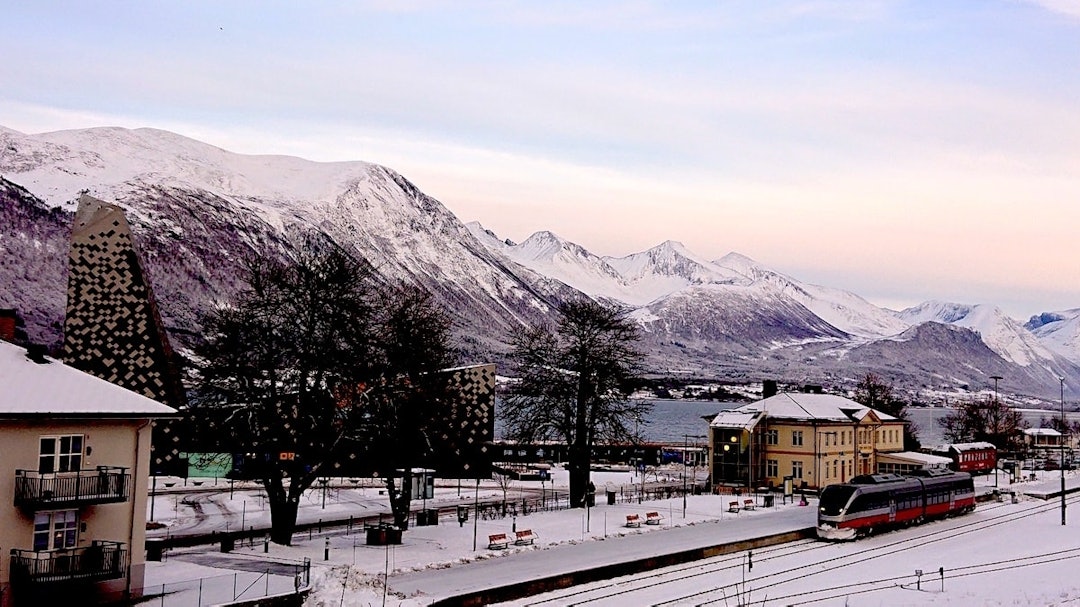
(197, 210)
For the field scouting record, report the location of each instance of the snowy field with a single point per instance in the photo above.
(1003, 554)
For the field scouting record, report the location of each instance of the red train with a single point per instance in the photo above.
(878, 501)
(976, 458)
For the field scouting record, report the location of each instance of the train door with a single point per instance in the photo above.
(892, 509)
(952, 500)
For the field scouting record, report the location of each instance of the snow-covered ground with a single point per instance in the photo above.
(437, 561)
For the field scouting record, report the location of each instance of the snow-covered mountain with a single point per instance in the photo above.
(740, 312)
(198, 210)
(1058, 331)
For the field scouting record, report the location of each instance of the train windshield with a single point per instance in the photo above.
(834, 498)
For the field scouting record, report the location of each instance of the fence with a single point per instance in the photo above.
(240, 586)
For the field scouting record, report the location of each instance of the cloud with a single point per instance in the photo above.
(1070, 8)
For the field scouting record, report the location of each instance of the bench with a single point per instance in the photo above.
(733, 507)
(498, 541)
(653, 518)
(748, 505)
(633, 520)
(525, 536)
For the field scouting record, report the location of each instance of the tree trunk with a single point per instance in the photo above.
(282, 520)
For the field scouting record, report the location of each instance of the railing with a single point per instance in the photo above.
(101, 560)
(103, 485)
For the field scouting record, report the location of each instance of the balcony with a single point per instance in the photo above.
(104, 485)
(100, 560)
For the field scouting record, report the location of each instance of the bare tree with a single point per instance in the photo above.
(872, 391)
(991, 421)
(313, 359)
(574, 385)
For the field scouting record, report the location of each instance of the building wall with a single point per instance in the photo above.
(123, 443)
(828, 453)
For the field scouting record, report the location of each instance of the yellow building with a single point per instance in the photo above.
(74, 464)
(815, 439)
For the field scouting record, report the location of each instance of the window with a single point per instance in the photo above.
(796, 469)
(60, 453)
(772, 437)
(834, 463)
(55, 530)
(772, 468)
(796, 438)
(843, 437)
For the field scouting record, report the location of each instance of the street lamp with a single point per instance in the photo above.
(995, 378)
(1061, 442)
(685, 454)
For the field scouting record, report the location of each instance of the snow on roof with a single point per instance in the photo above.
(914, 457)
(962, 447)
(54, 389)
(811, 407)
(736, 419)
(1041, 432)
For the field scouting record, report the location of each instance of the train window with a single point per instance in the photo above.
(834, 498)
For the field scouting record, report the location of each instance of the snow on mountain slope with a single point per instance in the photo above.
(736, 318)
(205, 206)
(1058, 331)
(665, 269)
(1001, 333)
(842, 309)
(552, 256)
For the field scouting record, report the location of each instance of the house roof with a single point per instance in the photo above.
(736, 419)
(805, 407)
(914, 457)
(959, 447)
(1041, 432)
(53, 389)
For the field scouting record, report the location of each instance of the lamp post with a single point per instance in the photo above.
(1061, 442)
(996, 378)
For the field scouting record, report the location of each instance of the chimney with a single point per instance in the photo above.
(768, 388)
(9, 320)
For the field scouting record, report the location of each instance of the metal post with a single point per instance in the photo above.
(1062, 445)
(476, 513)
(685, 441)
(995, 378)
(153, 498)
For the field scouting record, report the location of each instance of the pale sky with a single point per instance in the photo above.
(902, 150)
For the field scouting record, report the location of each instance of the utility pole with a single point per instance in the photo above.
(1062, 446)
(995, 378)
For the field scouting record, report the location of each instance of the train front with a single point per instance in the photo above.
(832, 522)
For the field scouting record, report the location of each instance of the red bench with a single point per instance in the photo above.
(733, 507)
(525, 536)
(497, 541)
(653, 518)
(633, 520)
(749, 505)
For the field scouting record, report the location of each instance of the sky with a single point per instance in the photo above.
(904, 151)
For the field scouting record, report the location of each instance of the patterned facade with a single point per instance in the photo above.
(112, 328)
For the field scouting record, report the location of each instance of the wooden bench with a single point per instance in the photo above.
(525, 536)
(733, 507)
(498, 541)
(633, 520)
(749, 505)
(653, 518)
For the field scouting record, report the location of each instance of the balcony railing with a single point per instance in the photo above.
(103, 485)
(100, 560)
